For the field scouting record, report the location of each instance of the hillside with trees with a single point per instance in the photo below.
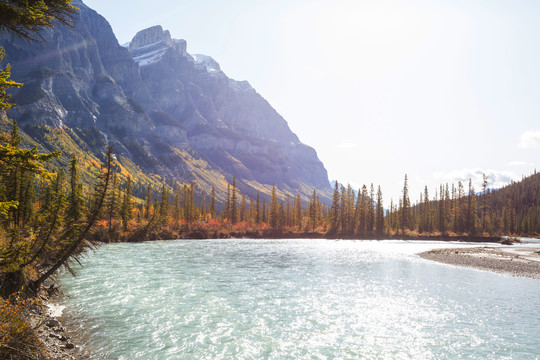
(513, 210)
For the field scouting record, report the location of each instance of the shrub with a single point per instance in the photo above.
(17, 337)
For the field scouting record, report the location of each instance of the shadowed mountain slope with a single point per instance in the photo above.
(167, 114)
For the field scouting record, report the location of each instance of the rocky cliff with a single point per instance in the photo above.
(164, 111)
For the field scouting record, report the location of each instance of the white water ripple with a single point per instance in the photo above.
(296, 299)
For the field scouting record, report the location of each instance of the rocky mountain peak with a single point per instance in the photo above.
(149, 36)
(207, 62)
(154, 37)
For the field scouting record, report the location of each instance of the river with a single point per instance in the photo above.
(295, 299)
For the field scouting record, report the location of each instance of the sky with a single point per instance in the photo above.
(442, 91)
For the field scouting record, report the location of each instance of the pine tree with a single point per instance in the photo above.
(234, 203)
(258, 217)
(288, 211)
(26, 19)
(75, 203)
(484, 197)
(251, 211)
(379, 224)
(298, 212)
(358, 212)
(213, 202)
(314, 211)
(371, 210)
(472, 212)
(177, 212)
(148, 201)
(5, 85)
(113, 200)
(127, 205)
(189, 203)
(335, 210)
(203, 205)
(274, 208)
(281, 216)
(50, 222)
(264, 213)
(243, 208)
(226, 214)
(405, 203)
(164, 204)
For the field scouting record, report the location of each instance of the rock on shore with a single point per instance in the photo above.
(523, 262)
(52, 334)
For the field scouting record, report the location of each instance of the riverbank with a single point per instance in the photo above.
(54, 337)
(202, 234)
(524, 262)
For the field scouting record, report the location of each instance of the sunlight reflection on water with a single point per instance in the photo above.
(297, 299)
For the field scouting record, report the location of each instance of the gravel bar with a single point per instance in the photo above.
(515, 261)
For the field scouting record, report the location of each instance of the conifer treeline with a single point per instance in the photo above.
(456, 210)
(452, 210)
(176, 209)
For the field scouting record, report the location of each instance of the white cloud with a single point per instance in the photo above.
(496, 178)
(347, 145)
(530, 139)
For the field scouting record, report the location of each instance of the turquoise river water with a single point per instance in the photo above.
(296, 299)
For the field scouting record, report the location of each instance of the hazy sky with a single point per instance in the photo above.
(440, 90)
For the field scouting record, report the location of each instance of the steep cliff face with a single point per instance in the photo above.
(169, 112)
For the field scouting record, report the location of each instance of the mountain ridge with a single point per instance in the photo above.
(170, 113)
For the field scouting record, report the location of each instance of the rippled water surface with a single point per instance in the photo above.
(296, 299)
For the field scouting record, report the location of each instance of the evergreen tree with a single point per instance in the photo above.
(49, 224)
(258, 214)
(251, 211)
(164, 204)
(288, 211)
(274, 208)
(405, 203)
(177, 212)
(75, 203)
(227, 211)
(371, 210)
(484, 197)
(127, 205)
(335, 210)
(281, 216)
(113, 200)
(213, 202)
(314, 209)
(298, 212)
(189, 203)
(203, 205)
(147, 201)
(234, 203)
(379, 224)
(26, 19)
(243, 208)
(472, 211)
(264, 212)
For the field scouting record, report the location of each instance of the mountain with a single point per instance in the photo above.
(167, 114)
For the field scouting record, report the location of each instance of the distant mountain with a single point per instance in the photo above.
(167, 114)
